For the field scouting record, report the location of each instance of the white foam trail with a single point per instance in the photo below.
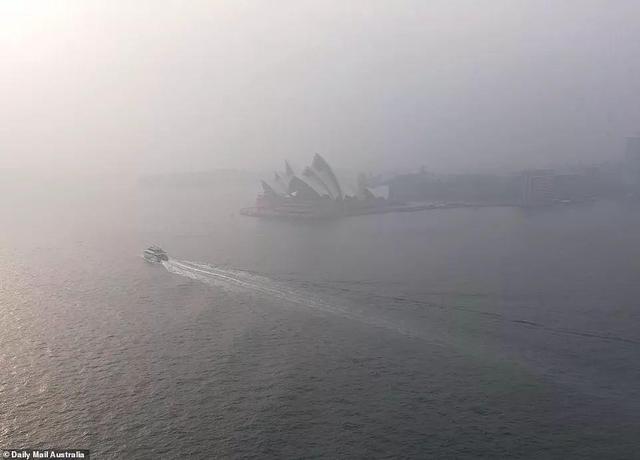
(243, 281)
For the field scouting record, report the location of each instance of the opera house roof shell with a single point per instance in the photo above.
(316, 181)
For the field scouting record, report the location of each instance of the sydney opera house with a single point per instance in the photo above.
(314, 192)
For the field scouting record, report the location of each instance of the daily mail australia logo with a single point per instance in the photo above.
(29, 454)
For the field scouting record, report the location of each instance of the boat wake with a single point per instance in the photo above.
(284, 291)
(482, 335)
(247, 282)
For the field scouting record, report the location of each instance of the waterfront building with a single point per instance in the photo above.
(632, 164)
(316, 192)
(538, 187)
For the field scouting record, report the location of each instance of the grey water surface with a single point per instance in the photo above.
(492, 332)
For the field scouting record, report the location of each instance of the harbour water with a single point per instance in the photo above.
(466, 333)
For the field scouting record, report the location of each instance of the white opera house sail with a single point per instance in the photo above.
(314, 193)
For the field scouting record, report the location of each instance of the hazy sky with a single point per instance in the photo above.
(120, 85)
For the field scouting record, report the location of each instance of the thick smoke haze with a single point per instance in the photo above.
(157, 86)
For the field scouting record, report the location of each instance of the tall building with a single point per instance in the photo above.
(632, 163)
(538, 187)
